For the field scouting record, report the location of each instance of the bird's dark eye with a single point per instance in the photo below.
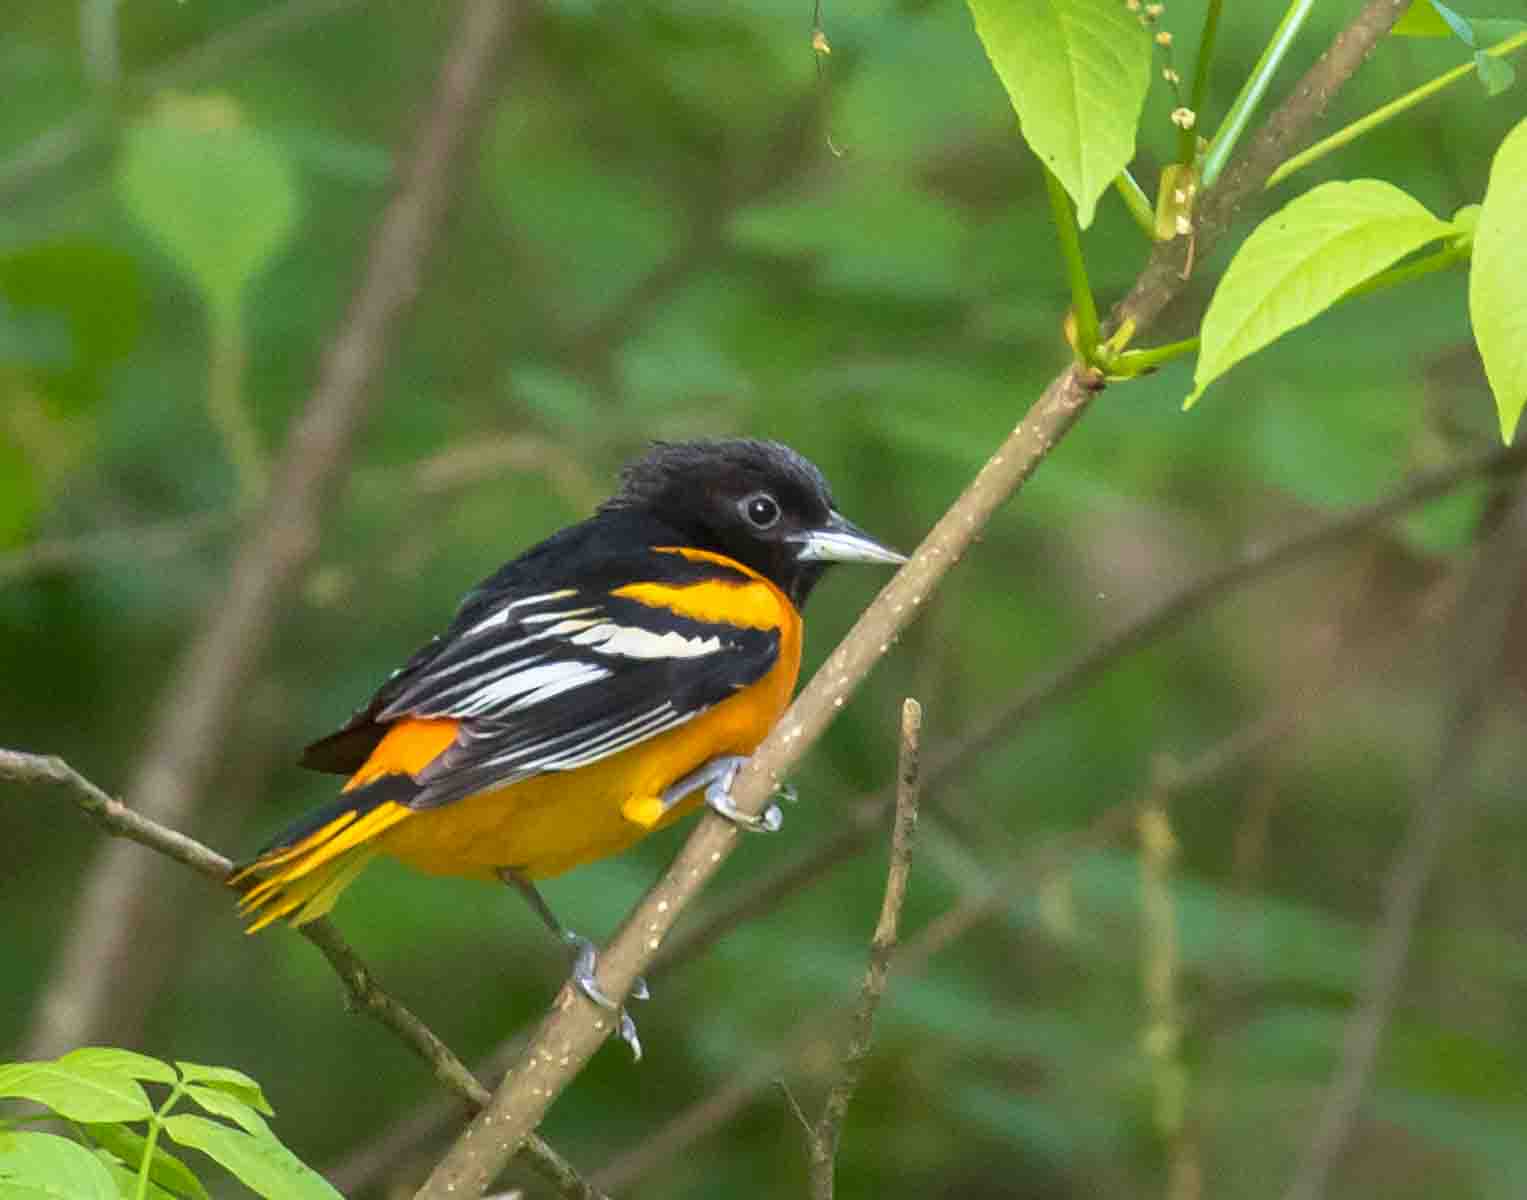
(760, 510)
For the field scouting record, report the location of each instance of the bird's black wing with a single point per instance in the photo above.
(554, 678)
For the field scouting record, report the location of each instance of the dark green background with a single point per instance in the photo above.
(658, 241)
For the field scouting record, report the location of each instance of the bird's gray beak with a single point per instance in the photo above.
(840, 540)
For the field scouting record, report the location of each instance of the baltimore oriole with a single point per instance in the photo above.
(592, 690)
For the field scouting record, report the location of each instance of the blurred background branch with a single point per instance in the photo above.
(97, 992)
(1478, 651)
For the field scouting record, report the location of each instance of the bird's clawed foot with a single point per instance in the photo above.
(717, 777)
(585, 961)
(585, 979)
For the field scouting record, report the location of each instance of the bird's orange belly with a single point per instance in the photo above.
(554, 822)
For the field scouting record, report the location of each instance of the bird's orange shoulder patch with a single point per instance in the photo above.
(410, 746)
(754, 603)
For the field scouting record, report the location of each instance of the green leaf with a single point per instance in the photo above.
(1421, 19)
(126, 1063)
(1498, 280)
(225, 1104)
(165, 1169)
(127, 1181)
(79, 1093)
(1432, 18)
(261, 1163)
(43, 1166)
(219, 198)
(1303, 259)
(226, 1079)
(1490, 30)
(1077, 72)
(1495, 74)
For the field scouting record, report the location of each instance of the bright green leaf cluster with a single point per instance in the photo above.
(101, 1092)
(1339, 239)
(1077, 72)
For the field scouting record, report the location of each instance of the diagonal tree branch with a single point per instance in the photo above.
(362, 992)
(92, 994)
(572, 1031)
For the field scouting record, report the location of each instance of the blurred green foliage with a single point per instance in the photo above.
(680, 224)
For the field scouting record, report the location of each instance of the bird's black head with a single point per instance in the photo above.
(758, 502)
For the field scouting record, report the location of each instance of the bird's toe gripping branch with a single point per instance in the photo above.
(585, 964)
(585, 961)
(717, 777)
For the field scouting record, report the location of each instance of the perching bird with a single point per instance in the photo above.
(593, 690)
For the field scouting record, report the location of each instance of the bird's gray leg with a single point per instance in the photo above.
(585, 958)
(716, 778)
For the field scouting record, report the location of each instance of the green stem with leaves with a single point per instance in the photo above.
(1187, 139)
(1083, 306)
(151, 1139)
(225, 404)
(1245, 107)
(1387, 112)
(1441, 260)
(1137, 202)
(1138, 362)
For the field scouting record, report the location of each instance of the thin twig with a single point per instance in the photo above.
(362, 992)
(111, 814)
(93, 994)
(1034, 868)
(1161, 1038)
(827, 1132)
(1481, 628)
